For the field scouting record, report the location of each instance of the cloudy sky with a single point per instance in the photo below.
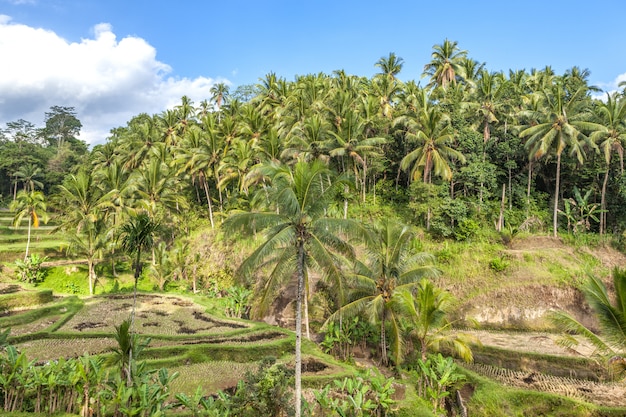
(113, 59)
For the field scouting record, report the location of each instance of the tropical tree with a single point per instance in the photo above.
(445, 64)
(392, 265)
(610, 312)
(610, 138)
(299, 237)
(138, 235)
(560, 127)
(433, 135)
(32, 205)
(90, 242)
(219, 94)
(28, 175)
(84, 215)
(351, 142)
(424, 309)
(390, 66)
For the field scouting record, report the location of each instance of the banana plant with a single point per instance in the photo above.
(437, 379)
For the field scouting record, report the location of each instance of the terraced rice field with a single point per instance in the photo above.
(208, 351)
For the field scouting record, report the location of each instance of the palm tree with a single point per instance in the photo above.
(391, 265)
(610, 138)
(28, 174)
(85, 216)
(445, 64)
(219, 94)
(433, 134)
(560, 127)
(156, 185)
(611, 314)
(351, 141)
(487, 104)
(32, 205)
(424, 309)
(390, 66)
(90, 242)
(137, 235)
(299, 237)
(200, 157)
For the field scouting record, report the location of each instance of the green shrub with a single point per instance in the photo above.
(499, 264)
(30, 270)
(466, 229)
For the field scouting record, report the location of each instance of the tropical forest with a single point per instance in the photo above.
(331, 245)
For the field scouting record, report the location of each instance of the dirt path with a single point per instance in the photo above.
(532, 342)
(600, 393)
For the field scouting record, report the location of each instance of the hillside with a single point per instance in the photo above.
(502, 293)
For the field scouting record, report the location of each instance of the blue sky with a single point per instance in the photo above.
(118, 58)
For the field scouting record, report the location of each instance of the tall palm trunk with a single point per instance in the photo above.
(132, 315)
(530, 175)
(300, 290)
(28, 239)
(603, 202)
(383, 340)
(91, 274)
(208, 199)
(555, 222)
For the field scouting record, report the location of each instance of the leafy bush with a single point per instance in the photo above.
(498, 264)
(30, 270)
(466, 229)
(265, 392)
(366, 395)
(238, 302)
(437, 380)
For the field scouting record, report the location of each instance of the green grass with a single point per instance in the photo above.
(24, 299)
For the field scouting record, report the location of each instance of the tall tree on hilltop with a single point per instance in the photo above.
(61, 125)
(219, 94)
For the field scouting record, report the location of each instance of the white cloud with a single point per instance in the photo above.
(107, 81)
(610, 88)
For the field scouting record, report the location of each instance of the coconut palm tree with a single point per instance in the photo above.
(299, 237)
(424, 309)
(84, 216)
(610, 138)
(560, 127)
(90, 242)
(391, 265)
(445, 64)
(390, 66)
(352, 143)
(28, 175)
(32, 205)
(219, 94)
(137, 235)
(432, 133)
